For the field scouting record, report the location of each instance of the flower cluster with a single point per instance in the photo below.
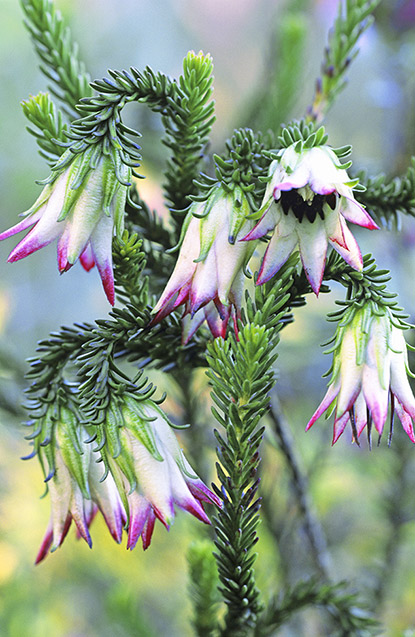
(307, 202)
(369, 375)
(148, 475)
(208, 277)
(81, 206)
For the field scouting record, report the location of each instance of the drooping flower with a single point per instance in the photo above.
(208, 277)
(77, 492)
(150, 469)
(308, 199)
(369, 376)
(81, 206)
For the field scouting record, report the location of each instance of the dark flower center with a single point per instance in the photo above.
(291, 200)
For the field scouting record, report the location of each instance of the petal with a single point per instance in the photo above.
(204, 283)
(399, 383)
(312, 241)
(87, 258)
(37, 238)
(350, 375)
(334, 225)
(63, 265)
(376, 397)
(406, 420)
(46, 544)
(140, 510)
(148, 530)
(154, 480)
(355, 213)
(101, 246)
(330, 395)
(297, 179)
(26, 223)
(375, 375)
(324, 171)
(48, 227)
(60, 490)
(268, 221)
(170, 303)
(182, 495)
(185, 265)
(360, 413)
(77, 511)
(86, 214)
(105, 495)
(282, 243)
(339, 426)
(351, 254)
(216, 321)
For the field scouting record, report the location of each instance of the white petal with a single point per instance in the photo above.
(351, 254)
(350, 374)
(282, 243)
(154, 481)
(399, 379)
(312, 240)
(185, 266)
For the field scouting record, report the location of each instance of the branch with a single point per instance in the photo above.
(312, 525)
(351, 616)
(354, 17)
(385, 198)
(58, 53)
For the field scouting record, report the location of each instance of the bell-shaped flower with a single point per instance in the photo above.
(208, 277)
(308, 199)
(77, 491)
(150, 469)
(81, 207)
(369, 376)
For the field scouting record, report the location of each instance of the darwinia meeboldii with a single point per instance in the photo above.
(206, 299)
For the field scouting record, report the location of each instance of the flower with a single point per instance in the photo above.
(77, 493)
(208, 277)
(150, 470)
(369, 375)
(307, 201)
(81, 206)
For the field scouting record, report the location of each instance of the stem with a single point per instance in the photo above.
(241, 376)
(312, 525)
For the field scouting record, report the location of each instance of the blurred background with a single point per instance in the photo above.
(363, 499)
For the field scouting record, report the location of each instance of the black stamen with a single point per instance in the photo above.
(353, 423)
(291, 200)
(331, 200)
(369, 428)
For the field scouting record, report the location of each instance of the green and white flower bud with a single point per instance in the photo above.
(369, 375)
(149, 468)
(208, 276)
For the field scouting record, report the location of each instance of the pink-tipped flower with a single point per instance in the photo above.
(77, 493)
(81, 207)
(307, 202)
(369, 376)
(151, 471)
(208, 277)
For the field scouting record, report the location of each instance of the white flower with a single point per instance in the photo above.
(69, 501)
(369, 376)
(307, 202)
(208, 277)
(152, 472)
(81, 207)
